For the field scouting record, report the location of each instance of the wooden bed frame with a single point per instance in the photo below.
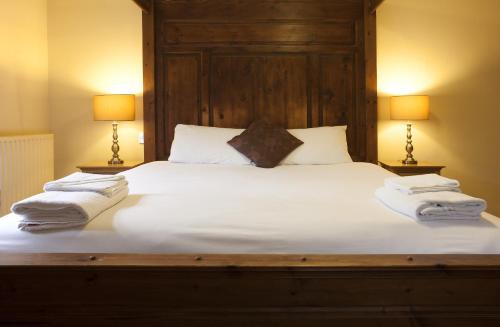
(249, 290)
(298, 63)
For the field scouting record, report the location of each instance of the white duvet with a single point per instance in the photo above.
(182, 208)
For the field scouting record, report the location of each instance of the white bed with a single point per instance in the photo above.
(184, 208)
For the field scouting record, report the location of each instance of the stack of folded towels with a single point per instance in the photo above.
(71, 201)
(429, 197)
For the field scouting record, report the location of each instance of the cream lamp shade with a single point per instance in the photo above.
(412, 107)
(114, 107)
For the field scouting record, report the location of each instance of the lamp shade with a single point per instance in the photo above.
(115, 107)
(412, 107)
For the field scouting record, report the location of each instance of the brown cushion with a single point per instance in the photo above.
(264, 144)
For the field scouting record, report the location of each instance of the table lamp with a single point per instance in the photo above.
(413, 107)
(114, 107)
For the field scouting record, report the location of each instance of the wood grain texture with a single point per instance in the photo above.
(368, 116)
(181, 89)
(297, 63)
(149, 98)
(273, 87)
(252, 261)
(268, 290)
(260, 10)
(258, 33)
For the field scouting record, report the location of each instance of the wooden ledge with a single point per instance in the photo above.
(267, 261)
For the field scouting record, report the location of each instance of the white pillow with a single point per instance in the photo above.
(207, 145)
(322, 146)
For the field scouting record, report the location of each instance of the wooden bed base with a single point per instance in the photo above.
(249, 290)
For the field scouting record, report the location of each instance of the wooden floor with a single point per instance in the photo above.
(248, 290)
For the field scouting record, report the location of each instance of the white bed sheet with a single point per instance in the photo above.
(181, 208)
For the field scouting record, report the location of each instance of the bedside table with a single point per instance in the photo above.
(104, 168)
(402, 169)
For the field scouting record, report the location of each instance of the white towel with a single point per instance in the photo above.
(55, 210)
(422, 184)
(444, 205)
(106, 185)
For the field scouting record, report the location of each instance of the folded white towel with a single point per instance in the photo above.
(422, 184)
(106, 185)
(54, 210)
(444, 205)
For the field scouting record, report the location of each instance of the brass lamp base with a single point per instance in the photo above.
(115, 160)
(409, 162)
(409, 148)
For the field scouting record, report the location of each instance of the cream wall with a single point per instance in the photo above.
(23, 67)
(95, 47)
(450, 50)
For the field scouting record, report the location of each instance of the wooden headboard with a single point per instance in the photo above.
(225, 63)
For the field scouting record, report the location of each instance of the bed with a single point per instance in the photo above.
(293, 245)
(316, 248)
(229, 209)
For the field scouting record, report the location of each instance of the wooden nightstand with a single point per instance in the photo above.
(104, 168)
(421, 168)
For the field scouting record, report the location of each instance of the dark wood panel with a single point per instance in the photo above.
(249, 33)
(368, 148)
(232, 91)
(241, 289)
(337, 100)
(245, 290)
(149, 96)
(182, 92)
(281, 91)
(336, 89)
(249, 87)
(238, 10)
(262, 48)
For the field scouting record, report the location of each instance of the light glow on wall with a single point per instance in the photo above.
(403, 74)
(108, 75)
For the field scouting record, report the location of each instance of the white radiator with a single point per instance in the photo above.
(26, 163)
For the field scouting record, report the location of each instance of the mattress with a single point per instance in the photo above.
(331, 209)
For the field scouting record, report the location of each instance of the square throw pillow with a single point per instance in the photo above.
(264, 144)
